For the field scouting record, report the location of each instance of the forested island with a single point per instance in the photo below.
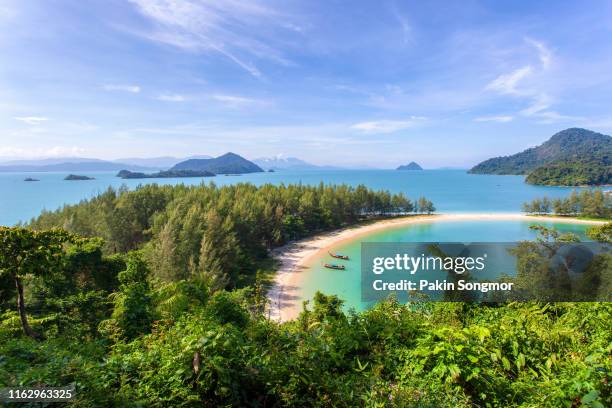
(157, 296)
(573, 157)
(126, 174)
(229, 163)
(76, 177)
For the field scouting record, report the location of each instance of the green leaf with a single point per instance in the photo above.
(506, 363)
(520, 362)
(590, 397)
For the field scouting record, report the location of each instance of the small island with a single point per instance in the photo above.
(229, 163)
(410, 166)
(30, 179)
(126, 174)
(72, 177)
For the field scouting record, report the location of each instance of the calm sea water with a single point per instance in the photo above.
(347, 283)
(450, 190)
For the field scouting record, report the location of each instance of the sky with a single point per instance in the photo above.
(351, 83)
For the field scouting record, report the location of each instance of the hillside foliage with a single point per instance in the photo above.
(571, 157)
(158, 312)
(134, 340)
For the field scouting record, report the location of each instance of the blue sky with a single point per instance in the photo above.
(374, 83)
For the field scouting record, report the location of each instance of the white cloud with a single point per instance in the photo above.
(171, 98)
(236, 101)
(539, 110)
(533, 91)
(549, 116)
(501, 118)
(507, 83)
(387, 126)
(539, 104)
(237, 30)
(544, 53)
(31, 120)
(122, 88)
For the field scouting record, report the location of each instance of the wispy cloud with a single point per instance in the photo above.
(236, 101)
(526, 83)
(31, 120)
(171, 98)
(122, 88)
(507, 83)
(404, 24)
(387, 126)
(240, 31)
(540, 110)
(540, 103)
(544, 53)
(501, 119)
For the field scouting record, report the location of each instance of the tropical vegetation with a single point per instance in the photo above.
(587, 203)
(156, 297)
(572, 157)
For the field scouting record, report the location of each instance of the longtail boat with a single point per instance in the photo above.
(334, 266)
(339, 256)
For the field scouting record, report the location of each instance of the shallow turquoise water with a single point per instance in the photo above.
(450, 190)
(347, 284)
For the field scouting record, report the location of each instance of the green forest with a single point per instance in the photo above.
(573, 173)
(572, 157)
(587, 204)
(157, 297)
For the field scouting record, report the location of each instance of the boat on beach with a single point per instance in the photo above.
(334, 266)
(337, 255)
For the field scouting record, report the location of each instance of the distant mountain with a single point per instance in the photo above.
(49, 165)
(287, 163)
(89, 164)
(571, 157)
(164, 162)
(229, 163)
(410, 166)
(126, 174)
(44, 162)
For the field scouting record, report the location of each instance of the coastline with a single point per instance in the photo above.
(294, 257)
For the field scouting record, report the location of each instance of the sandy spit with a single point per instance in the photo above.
(294, 258)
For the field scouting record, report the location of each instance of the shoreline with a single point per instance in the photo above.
(294, 257)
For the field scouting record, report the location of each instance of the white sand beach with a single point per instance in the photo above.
(294, 258)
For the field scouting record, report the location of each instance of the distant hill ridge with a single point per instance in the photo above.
(573, 156)
(88, 165)
(126, 174)
(229, 163)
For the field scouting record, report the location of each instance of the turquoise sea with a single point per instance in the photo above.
(347, 283)
(450, 190)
